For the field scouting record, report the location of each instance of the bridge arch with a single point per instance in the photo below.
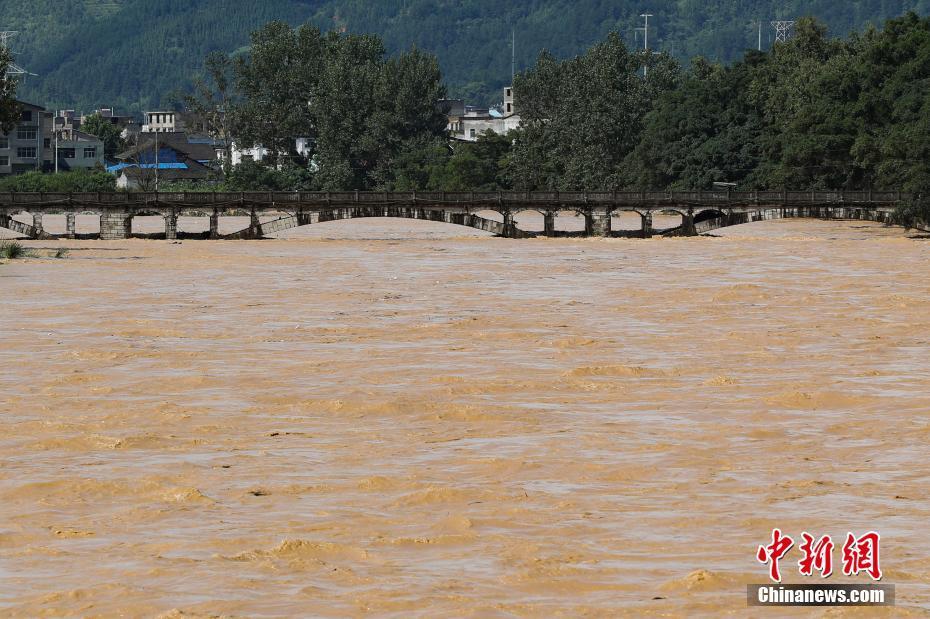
(628, 222)
(263, 229)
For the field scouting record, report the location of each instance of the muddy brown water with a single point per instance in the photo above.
(413, 419)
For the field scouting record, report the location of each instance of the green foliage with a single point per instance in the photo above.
(73, 181)
(915, 213)
(11, 250)
(109, 134)
(478, 166)
(364, 114)
(250, 176)
(9, 110)
(212, 99)
(275, 82)
(132, 53)
(813, 113)
(582, 117)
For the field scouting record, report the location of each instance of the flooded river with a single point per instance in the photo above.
(414, 419)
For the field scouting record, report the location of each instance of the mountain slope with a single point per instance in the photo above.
(132, 53)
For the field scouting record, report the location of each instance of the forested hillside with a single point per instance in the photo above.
(133, 53)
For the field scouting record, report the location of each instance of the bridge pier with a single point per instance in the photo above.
(597, 222)
(647, 224)
(687, 224)
(171, 225)
(37, 224)
(115, 225)
(69, 225)
(215, 224)
(255, 224)
(510, 228)
(549, 223)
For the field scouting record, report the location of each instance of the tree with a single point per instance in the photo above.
(211, 101)
(475, 166)
(277, 82)
(407, 121)
(109, 134)
(581, 117)
(342, 109)
(9, 109)
(705, 131)
(79, 180)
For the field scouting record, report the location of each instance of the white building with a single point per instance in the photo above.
(162, 122)
(258, 153)
(467, 123)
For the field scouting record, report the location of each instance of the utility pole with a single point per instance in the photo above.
(513, 56)
(156, 161)
(645, 30)
(759, 47)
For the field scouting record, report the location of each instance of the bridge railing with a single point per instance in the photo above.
(554, 198)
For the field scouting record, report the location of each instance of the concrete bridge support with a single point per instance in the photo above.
(37, 224)
(647, 225)
(597, 223)
(115, 224)
(549, 223)
(69, 225)
(687, 224)
(510, 228)
(171, 225)
(215, 224)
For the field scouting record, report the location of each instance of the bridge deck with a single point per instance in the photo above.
(466, 199)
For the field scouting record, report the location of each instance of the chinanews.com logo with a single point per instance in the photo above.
(859, 555)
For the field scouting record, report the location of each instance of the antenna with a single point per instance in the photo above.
(13, 69)
(782, 29)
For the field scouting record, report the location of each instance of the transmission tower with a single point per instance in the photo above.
(13, 69)
(782, 30)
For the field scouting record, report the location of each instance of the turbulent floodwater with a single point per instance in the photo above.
(409, 421)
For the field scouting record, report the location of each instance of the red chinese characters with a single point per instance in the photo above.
(817, 555)
(773, 553)
(860, 554)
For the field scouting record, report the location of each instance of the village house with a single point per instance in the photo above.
(68, 148)
(23, 149)
(161, 158)
(467, 123)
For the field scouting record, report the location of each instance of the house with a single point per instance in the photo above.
(24, 149)
(162, 122)
(73, 149)
(173, 122)
(110, 114)
(241, 154)
(165, 158)
(466, 122)
(127, 124)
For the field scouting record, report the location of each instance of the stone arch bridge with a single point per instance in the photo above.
(272, 212)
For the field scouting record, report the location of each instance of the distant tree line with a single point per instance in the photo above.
(129, 54)
(813, 112)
